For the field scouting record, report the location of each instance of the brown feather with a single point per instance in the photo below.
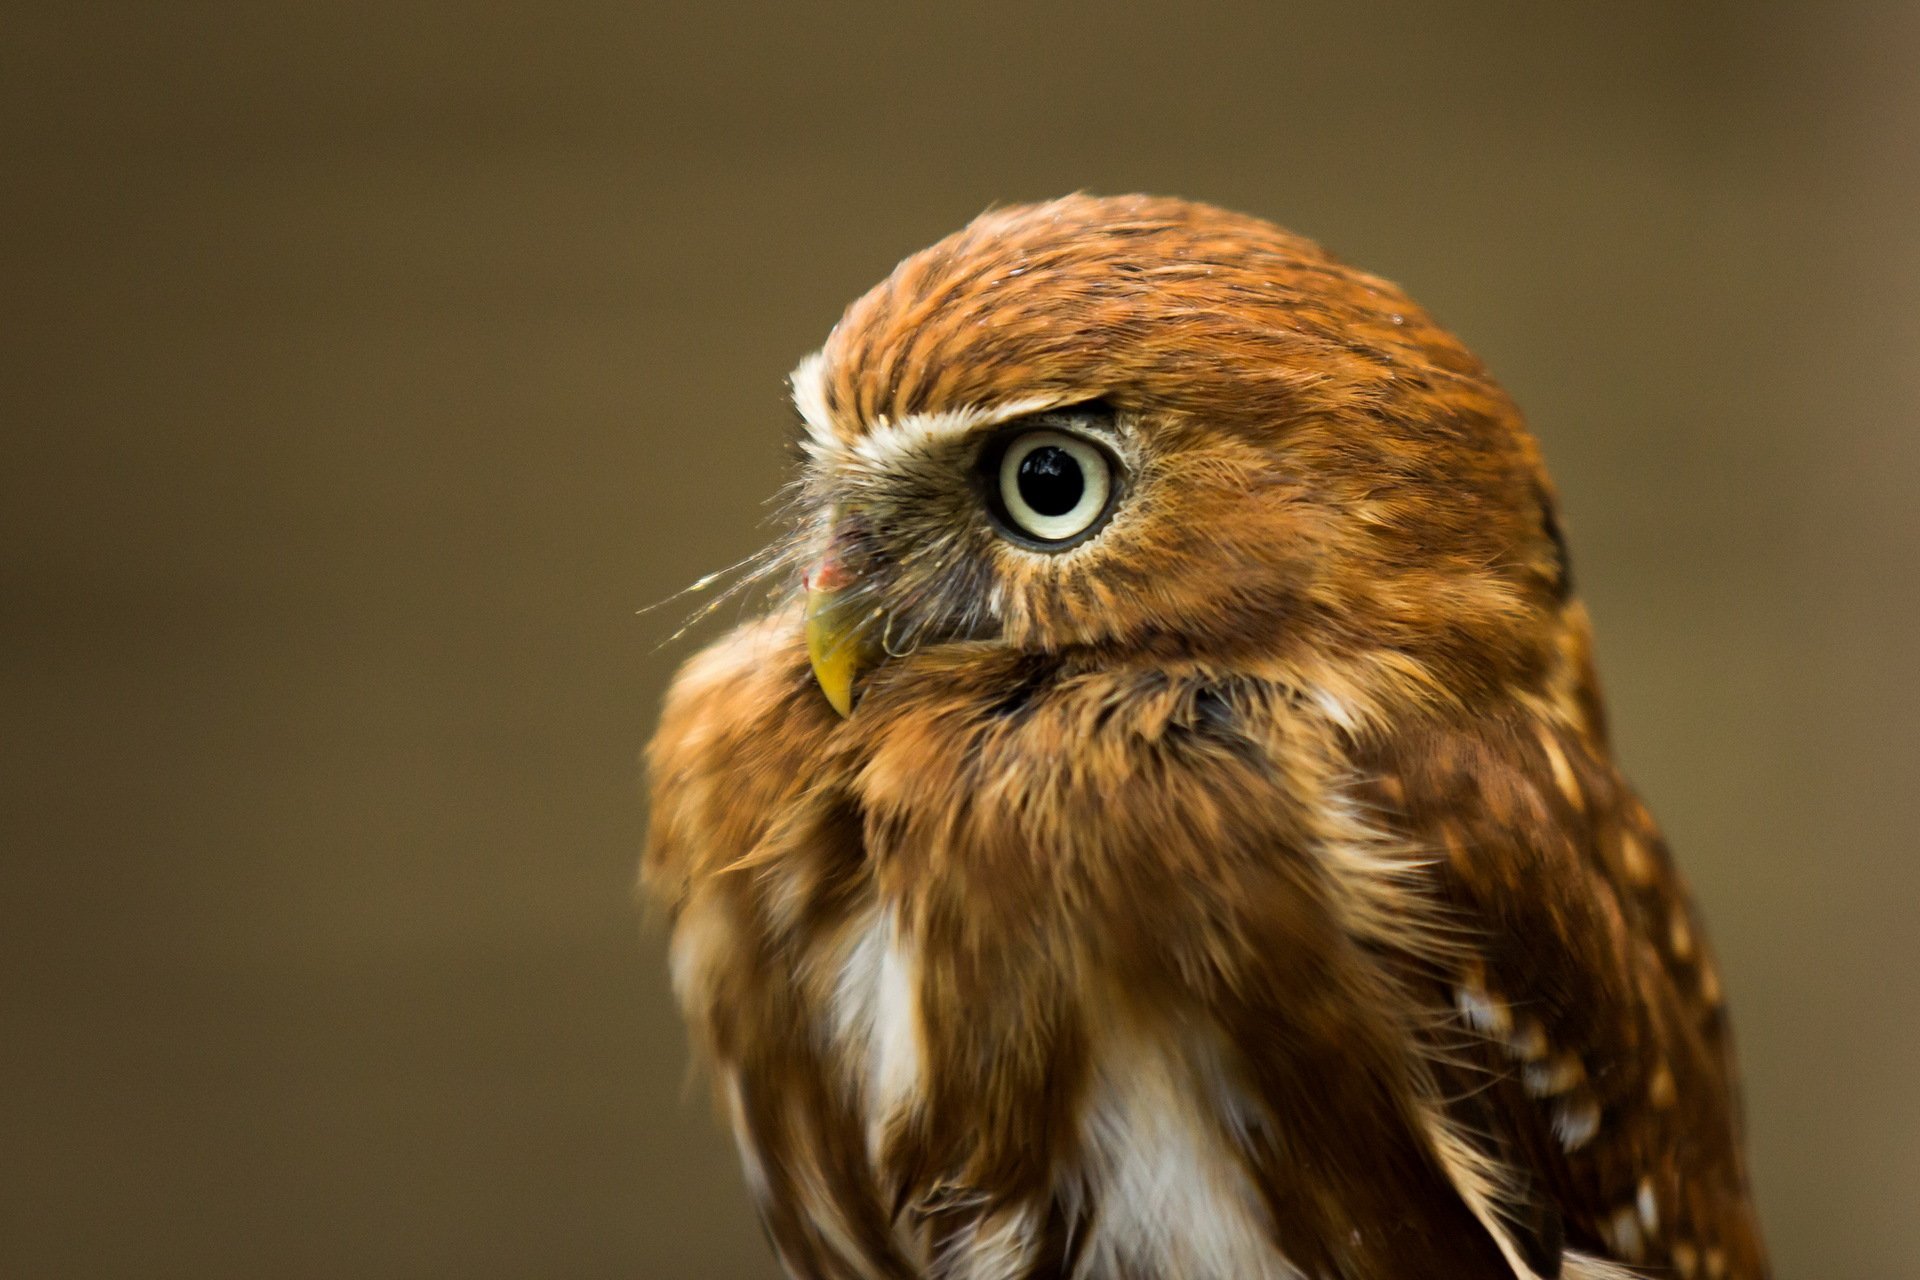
(1247, 890)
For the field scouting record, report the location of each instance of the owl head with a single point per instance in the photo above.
(1099, 428)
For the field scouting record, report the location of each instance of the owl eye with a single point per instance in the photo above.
(1051, 487)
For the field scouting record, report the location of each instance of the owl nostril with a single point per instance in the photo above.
(845, 559)
(826, 574)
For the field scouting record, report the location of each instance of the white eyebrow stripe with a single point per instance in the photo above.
(809, 382)
(887, 443)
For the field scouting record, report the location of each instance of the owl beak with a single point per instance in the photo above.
(836, 641)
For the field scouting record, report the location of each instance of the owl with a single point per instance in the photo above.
(1163, 826)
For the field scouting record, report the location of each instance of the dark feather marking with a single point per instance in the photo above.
(1562, 561)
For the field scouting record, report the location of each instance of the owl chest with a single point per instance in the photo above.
(1033, 1100)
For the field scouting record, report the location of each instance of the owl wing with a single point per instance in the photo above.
(1590, 1050)
(1575, 1105)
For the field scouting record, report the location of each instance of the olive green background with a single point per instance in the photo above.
(367, 366)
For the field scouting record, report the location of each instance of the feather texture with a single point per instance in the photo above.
(1246, 891)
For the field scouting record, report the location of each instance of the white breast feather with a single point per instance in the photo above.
(1169, 1197)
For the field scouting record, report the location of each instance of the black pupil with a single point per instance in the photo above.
(1050, 481)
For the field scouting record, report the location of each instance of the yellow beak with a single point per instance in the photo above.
(837, 642)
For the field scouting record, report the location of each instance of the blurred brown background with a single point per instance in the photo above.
(366, 366)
